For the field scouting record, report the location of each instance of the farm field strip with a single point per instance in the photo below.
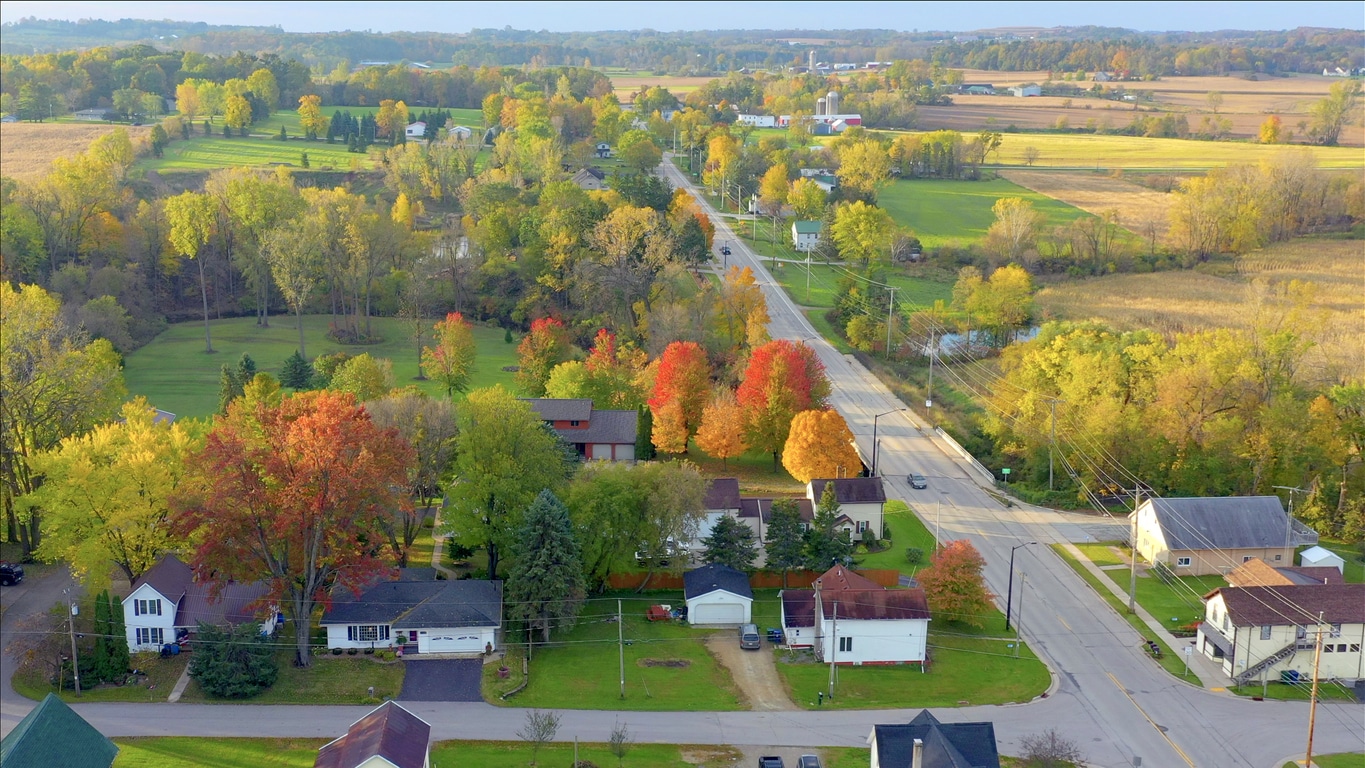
(28, 149)
(942, 211)
(1136, 205)
(209, 152)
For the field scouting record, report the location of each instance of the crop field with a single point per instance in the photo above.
(27, 149)
(1057, 150)
(941, 212)
(1249, 290)
(203, 153)
(1098, 194)
(626, 83)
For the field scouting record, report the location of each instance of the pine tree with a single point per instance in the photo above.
(546, 587)
(297, 373)
(644, 435)
(233, 664)
(731, 543)
(284, 135)
(246, 369)
(303, 160)
(785, 548)
(118, 641)
(229, 388)
(826, 546)
(100, 671)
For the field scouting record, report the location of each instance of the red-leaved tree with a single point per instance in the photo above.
(684, 379)
(546, 346)
(782, 379)
(953, 584)
(294, 495)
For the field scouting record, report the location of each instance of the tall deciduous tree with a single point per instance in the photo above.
(820, 445)
(785, 548)
(807, 200)
(310, 116)
(365, 377)
(864, 168)
(863, 232)
(192, 217)
(451, 360)
(721, 434)
(505, 457)
(742, 307)
(1015, 228)
(545, 586)
(108, 494)
(682, 382)
(295, 258)
(293, 495)
(540, 350)
(54, 383)
(428, 425)
(782, 379)
(731, 543)
(1335, 112)
(954, 586)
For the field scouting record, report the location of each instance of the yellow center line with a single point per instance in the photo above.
(1151, 722)
(1063, 621)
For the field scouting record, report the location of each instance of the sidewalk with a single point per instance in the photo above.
(439, 545)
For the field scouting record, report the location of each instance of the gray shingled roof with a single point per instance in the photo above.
(852, 490)
(617, 427)
(722, 493)
(561, 409)
(236, 603)
(714, 576)
(170, 576)
(946, 745)
(418, 604)
(1231, 522)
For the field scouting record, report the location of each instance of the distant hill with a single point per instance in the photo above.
(31, 35)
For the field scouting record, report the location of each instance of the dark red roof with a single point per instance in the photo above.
(1298, 605)
(798, 607)
(722, 493)
(389, 731)
(876, 603)
(840, 578)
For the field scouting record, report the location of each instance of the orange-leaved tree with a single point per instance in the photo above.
(451, 360)
(546, 346)
(820, 445)
(782, 379)
(684, 378)
(722, 427)
(954, 586)
(294, 495)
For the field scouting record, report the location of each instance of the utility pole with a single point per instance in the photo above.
(1009, 591)
(834, 648)
(1289, 524)
(929, 395)
(890, 308)
(808, 275)
(1052, 442)
(71, 611)
(938, 508)
(1019, 625)
(1313, 696)
(621, 646)
(1133, 552)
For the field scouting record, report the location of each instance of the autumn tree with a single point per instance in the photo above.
(451, 360)
(1272, 130)
(1335, 112)
(863, 233)
(741, 306)
(505, 457)
(782, 379)
(192, 217)
(954, 586)
(310, 116)
(820, 445)
(545, 587)
(731, 543)
(721, 434)
(540, 350)
(1015, 229)
(364, 377)
(290, 495)
(682, 387)
(295, 258)
(428, 425)
(807, 200)
(638, 151)
(773, 189)
(864, 168)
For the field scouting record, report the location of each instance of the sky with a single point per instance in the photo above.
(673, 16)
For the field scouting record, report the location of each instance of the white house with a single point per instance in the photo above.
(717, 595)
(861, 500)
(1320, 557)
(167, 603)
(603, 149)
(459, 133)
(417, 130)
(722, 500)
(805, 235)
(458, 616)
(1026, 90)
(850, 619)
(1205, 536)
(1261, 632)
(389, 736)
(758, 121)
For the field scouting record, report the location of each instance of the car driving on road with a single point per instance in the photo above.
(918, 481)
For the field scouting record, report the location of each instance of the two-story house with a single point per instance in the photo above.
(1261, 632)
(1209, 536)
(596, 434)
(168, 603)
(861, 501)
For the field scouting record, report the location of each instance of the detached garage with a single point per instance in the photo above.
(718, 595)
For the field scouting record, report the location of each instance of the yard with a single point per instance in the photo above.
(915, 289)
(203, 153)
(174, 374)
(330, 680)
(754, 470)
(906, 531)
(942, 211)
(155, 685)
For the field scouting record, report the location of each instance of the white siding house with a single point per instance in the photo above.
(149, 618)
(424, 615)
(1261, 632)
(861, 500)
(167, 603)
(849, 619)
(805, 235)
(718, 595)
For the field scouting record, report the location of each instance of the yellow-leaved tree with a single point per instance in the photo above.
(721, 435)
(820, 445)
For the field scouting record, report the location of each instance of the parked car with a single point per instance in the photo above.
(809, 761)
(918, 481)
(770, 761)
(11, 574)
(748, 637)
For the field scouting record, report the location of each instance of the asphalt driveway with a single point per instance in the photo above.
(442, 680)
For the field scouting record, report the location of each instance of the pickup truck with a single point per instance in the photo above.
(770, 761)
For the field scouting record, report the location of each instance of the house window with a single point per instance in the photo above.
(573, 423)
(1328, 648)
(367, 633)
(845, 645)
(1341, 647)
(150, 636)
(1355, 647)
(1277, 557)
(1226, 624)
(1265, 631)
(1335, 631)
(1246, 558)
(862, 526)
(146, 607)
(1179, 561)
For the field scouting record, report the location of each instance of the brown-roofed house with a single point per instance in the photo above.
(850, 619)
(1258, 573)
(1263, 631)
(596, 434)
(167, 603)
(388, 737)
(861, 500)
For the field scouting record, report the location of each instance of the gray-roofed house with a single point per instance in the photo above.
(1213, 535)
(589, 179)
(722, 500)
(1261, 632)
(924, 742)
(457, 616)
(606, 435)
(167, 602)
(718, 595)
(861, 500)
(52, 734)
(389, 736)
(850, 619)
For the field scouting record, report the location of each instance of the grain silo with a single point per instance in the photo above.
(831, 103)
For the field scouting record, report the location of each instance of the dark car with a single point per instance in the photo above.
(770, 761)
(725, 250)
(918, 481)
(11, 574)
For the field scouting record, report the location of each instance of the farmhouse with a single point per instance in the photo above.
(805, 235)
(758, 121)
(1269, 632)
(1205, 536)
(926, 743)
(717, 595)
(603, 150)
(850, 619)
(589, 179)
(459, 133)
(461, 616)
(595, 434)
(167, 603)
(861, 500)
(977, 89)
(388, 737)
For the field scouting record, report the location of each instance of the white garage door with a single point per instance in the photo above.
(453, 642)
(717, 613)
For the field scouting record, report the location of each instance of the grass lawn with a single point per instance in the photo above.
(913, 291)
(940, 212)
(754, 471)
(1342, 760)
(1296, 692)
(419, 554)
(330, 680)
(1101, 554)
(1180, 601)
(174, 374)
(964, 670)
(906, 531)
(156, 685)
(580, 670)
(203, 153)
(1354, 572)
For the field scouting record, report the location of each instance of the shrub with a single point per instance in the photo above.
(350, 651)
(914, 555)
(336, 651)
(233, 665)
(1049, 749)
(870, 538)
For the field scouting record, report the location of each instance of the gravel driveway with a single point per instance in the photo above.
(442, 680)
(754, 673)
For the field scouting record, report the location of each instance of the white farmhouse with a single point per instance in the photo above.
(850, 619)
(167, 603)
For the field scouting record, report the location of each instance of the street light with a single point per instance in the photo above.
(874, 437)
(1009, 591)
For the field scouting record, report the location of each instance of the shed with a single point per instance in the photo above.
(718, 595)
(1316, 556)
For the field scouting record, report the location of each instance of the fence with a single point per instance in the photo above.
(757, 580)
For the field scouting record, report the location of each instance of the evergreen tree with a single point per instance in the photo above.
(229, 388)
(731, 543)
(546, 587)
(118, 641)
(233, 665)
(784, 548)
(644, 435)
(185, 129)
(297, 373)
(101, 671)
(284, 135)
(826, 546)
(208, 128)
(303, 160)
(246, 369)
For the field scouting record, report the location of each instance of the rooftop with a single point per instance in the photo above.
(52, 734)
(722, 493)
(1299, 604)
(1228, 522)
(416, 604)
(389, 732)
(851, 490)
(946, 745)
(714, 576)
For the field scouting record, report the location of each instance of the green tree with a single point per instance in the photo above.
(545, 586)
(505, 456)
(826, 544)
(637, 150)
(229, 388)
(451, 360)
(297, 373)
(238, 115)
(731, 543)
(1335, 112)
(807, 200)
(366, 377)
(863, 232)
(233, 664)
(785, 548)
(101, 672)
(428, 425)
(864, 168)
(118, 662)
(192, 217)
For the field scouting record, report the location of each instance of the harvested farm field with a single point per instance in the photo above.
(1137, 206)
(28, 149)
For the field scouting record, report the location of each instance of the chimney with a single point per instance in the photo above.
(917, 756)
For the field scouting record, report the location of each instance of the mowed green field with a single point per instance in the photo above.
(912, 293)
(203, 153)
(175, 374)
(1098, 151)
(940, 212)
